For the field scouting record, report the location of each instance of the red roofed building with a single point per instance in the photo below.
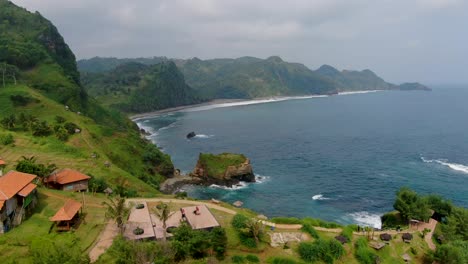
(67, 215)
(68, 180)
(18, 196)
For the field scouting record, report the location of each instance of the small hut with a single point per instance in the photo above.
(406, 257)
(67, 216)
(385, 237)
(342, 239)
(407, 237)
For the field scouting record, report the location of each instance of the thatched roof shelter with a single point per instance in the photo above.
(342, 239)
(407, 237)
(385, 237)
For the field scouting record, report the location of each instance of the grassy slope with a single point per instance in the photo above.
(76, 153)
(14, 245)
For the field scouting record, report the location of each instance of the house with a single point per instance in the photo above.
(67, 216)
(18, 197)
(68, 180)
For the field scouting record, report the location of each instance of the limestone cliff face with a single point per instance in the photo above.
(226, 173)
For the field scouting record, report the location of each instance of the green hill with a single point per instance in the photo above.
(249, 77)
(135, 87)
(43, 103)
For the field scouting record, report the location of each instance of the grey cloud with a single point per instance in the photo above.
(401, 40)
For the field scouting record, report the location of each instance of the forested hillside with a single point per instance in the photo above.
(46, 113)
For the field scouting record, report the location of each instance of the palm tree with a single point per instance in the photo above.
(255, 228)
(117, 210)
(163, 212)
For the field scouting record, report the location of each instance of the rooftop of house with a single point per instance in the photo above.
(67, 176)
(67, 212)
(15, 182)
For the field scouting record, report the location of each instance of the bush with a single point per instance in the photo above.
(308, 228)
(252, 259)
(239, 221)
(362, 252)
(237, 259)
(6, 139)
(286, 220)
(20, 100)
(348, 233)
(281, 260)
(392, 220)
(324, 250)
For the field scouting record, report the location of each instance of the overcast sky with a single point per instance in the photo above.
(400, 40)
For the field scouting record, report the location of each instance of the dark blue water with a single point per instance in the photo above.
(355, 151)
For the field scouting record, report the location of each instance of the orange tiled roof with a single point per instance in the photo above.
(67, 176)
(67, 212)
(13, 182)
(27, 190)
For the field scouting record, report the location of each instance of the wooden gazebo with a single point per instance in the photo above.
(67, 216)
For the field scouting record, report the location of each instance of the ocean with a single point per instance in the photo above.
(339, 158)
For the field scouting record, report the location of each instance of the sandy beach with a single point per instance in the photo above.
(218, 103)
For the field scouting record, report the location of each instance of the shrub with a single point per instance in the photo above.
(252, 258)
(237, 259)
(348, 233)
(70, 127)
(286, 220)
(324, 250)
(22, 100)
(308, 228)
(239, 221)
(6, 139)
(281, 260)
(362, 252)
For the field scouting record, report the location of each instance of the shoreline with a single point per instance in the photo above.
(220, 103)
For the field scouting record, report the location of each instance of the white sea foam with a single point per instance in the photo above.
(319, 197)
(453, 166)
(203, 136)
(367, 219)
(241, 185)
(250, 102)
(359, 92)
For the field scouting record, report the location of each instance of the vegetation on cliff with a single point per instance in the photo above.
(249, 77)
(134, 87)
(47, 114)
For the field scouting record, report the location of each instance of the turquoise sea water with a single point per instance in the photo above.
(339, 158)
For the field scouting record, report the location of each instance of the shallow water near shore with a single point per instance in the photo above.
(339, 158)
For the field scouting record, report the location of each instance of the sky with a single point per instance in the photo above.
(400, 40)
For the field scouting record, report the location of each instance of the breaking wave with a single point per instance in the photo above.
(367, 219)
(319, 197)
(453, 166)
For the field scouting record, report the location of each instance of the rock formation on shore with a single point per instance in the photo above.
(225, 169)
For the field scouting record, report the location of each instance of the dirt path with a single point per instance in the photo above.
(104, 241)
(428, 238)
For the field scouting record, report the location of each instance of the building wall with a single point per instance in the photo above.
(76, 186)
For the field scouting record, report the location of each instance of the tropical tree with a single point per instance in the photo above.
(117, 210)
(163, 212)
(255, 228)
(9, 122)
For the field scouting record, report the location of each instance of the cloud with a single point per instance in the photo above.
(386, 36)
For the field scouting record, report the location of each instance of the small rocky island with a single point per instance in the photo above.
(225, 169)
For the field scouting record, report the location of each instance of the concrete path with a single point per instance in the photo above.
(104, 241)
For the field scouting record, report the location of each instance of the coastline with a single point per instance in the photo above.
(219, 103)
